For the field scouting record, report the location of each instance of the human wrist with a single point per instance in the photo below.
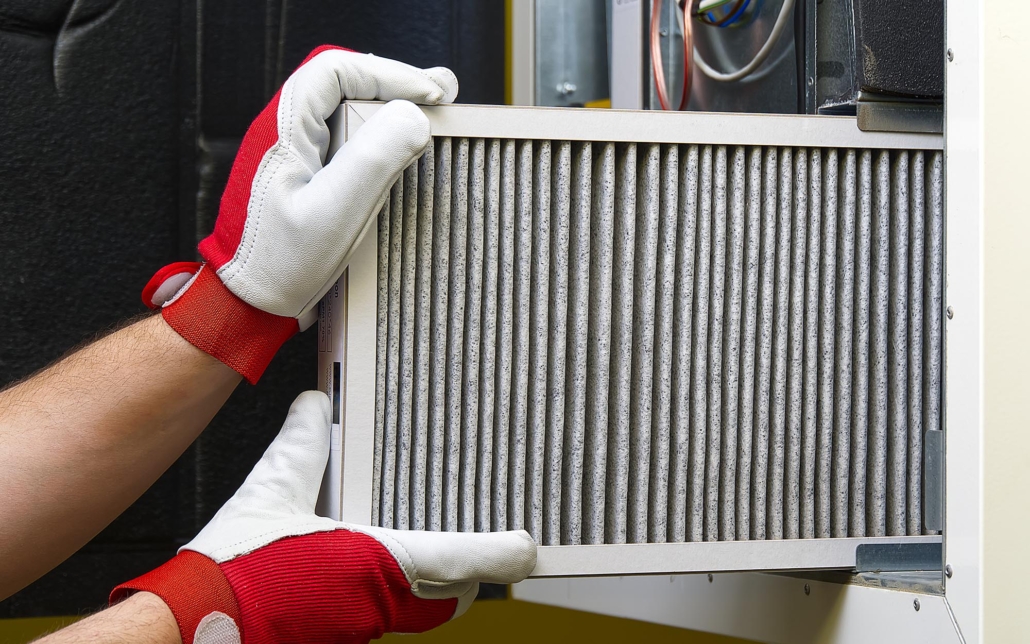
(157, 614)
(192, 587)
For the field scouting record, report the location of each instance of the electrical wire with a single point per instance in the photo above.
(756, 62)
(707, 5)
(658, 68)
(734, 15)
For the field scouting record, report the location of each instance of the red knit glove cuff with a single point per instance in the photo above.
(192, 585)
(210, 317)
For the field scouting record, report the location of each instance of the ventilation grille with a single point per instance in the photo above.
(627, 343)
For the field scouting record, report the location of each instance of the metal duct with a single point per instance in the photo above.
(626, 343)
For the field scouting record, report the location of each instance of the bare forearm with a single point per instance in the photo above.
(140, 619)
(82, 440)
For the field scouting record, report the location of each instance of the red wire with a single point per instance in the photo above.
(658, 69)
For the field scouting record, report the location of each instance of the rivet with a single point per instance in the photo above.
(951, 55)
(663, 32)
(915, 604)
(951, 313)
(948, 571)
(710, 578)
(808, 589)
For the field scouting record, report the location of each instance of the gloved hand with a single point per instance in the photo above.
(266, 569)
(286, 223)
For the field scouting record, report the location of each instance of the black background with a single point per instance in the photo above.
(119, 120)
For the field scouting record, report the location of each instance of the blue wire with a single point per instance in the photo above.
(736, 16)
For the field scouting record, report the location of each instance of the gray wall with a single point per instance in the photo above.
(115, 151)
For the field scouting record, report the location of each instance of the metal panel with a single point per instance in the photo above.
(639, 343)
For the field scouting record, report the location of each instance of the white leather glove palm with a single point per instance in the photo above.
(288, 575)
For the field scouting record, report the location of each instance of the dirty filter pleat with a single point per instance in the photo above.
(734, 284)
(538, 339)
(827, 256)
(498, 490)
(916, 292)
(897, 351)
(644, 267)
(393, 382)
(716, 312)
(599, 337)
(557, 327)
(438, 332)
(749, 333)
(406, 354)
(860, 344)
(699, 351)
(577, 343)
(382, 295)
(456, 304)
(934, 347)
(420, 429)
(522, 288)
(620, 376)
(489, 353)
(683, 316)
(470, 384)
(843, 348)
(795, 350)
(664, 324)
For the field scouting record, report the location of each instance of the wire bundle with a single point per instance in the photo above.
(727, 13)
(728, 77)
(716, 13)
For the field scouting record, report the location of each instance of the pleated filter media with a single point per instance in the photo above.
(626, 342)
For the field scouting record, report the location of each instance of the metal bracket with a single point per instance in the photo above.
(896, 557)
(879, 115)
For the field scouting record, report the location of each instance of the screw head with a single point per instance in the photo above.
(663, 32)
(951, 55)
(566, 88)
(808, 589)
(915, 604)
(710, 578)
(951, 313)
(948, 572)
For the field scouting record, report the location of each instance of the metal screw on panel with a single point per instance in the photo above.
(663, 32)
(951, 55)
(710, 578)
(808, 589)
(811, 81)
(948, 571)
(951, 313)
(566, 88)
(915, 604)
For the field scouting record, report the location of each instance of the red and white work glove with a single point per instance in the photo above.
(267, 569)
(287, 220)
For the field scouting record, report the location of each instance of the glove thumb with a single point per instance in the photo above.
(283, 485)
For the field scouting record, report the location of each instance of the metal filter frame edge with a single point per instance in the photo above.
(590, 125)
(651, 126)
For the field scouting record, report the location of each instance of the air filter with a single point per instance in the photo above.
(659, 342)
